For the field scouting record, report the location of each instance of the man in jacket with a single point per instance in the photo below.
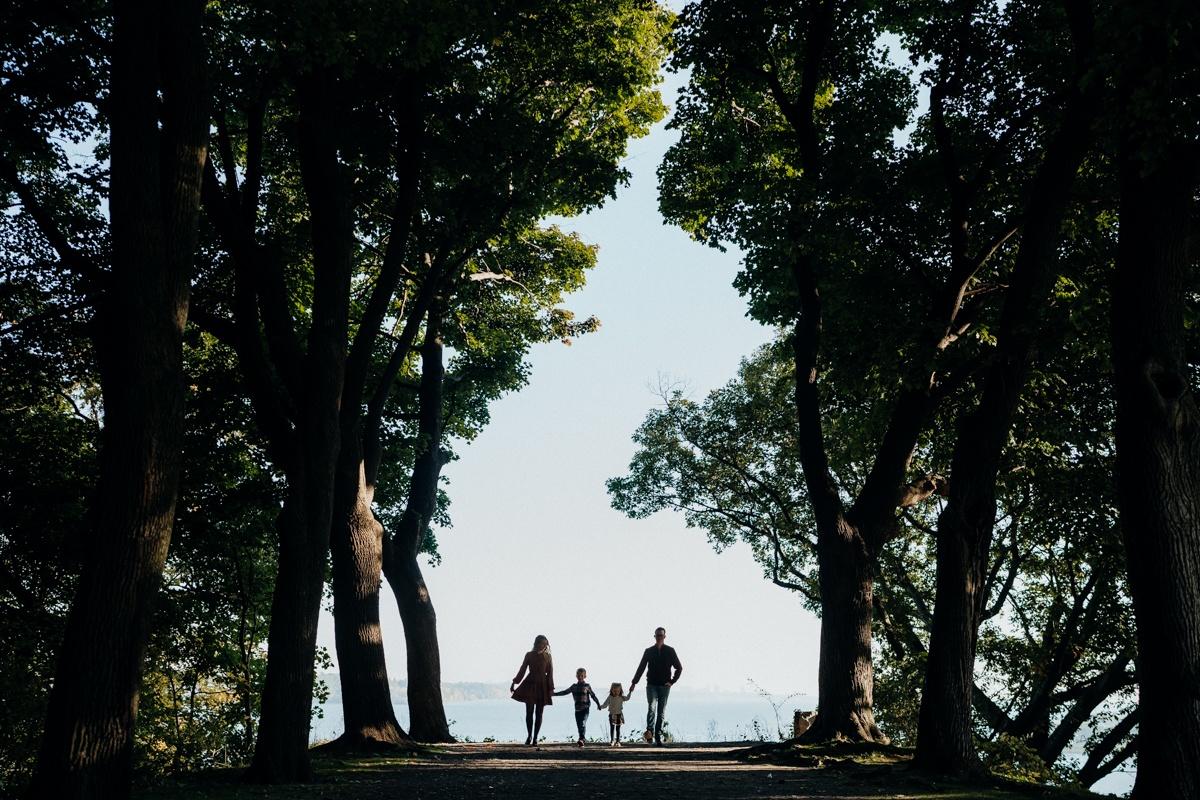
(662, 668)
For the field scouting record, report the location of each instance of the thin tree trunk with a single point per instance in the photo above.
(245, 689)
(296, 393)
(945, 741)
(158, 53)
(1158, 458)
(426, 714)
(281, 749)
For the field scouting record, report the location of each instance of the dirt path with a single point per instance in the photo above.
(566, 771)
(684, 771)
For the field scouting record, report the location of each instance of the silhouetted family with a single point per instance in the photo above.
(534, 686)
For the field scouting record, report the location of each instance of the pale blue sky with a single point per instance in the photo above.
(535, 546)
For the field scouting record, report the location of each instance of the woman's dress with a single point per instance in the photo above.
(538, 685)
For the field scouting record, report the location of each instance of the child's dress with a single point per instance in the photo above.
(615, 703)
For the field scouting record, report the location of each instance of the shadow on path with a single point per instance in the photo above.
(684, 771)
(595, 771)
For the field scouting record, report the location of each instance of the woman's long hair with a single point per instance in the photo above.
(538, 643)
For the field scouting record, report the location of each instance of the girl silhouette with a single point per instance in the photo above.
(537, 688)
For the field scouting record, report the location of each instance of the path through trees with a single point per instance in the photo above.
(713, 771)
(285, 255)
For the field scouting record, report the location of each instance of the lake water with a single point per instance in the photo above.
(692, 717)
(698, 717)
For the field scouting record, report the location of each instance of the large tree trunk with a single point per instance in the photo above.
(281, 752)
(154, 207)
(1158, 459)
(426, 714)
(356, 544)
(945, 742)
(357, 554)
(845, 677)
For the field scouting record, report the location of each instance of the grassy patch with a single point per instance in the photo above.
(329, 771)
(826, 754)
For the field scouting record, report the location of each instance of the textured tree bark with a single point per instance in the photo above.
(427, 715)
(845, 679)
(1158, 456)
(944, 731)
(357, 537)
(357, 554)
(845, 674)
(154, 204)
(281, 751)
(945, 736)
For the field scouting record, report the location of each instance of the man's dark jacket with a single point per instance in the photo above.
(659, 661)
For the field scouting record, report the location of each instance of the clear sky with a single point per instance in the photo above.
(535, 546)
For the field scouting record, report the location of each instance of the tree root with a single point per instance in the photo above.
(360, 744)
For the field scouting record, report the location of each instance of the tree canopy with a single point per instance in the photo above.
(266, 267)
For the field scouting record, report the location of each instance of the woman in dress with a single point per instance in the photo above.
(537, 688)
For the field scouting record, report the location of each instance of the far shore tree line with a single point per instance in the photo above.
(266, 265)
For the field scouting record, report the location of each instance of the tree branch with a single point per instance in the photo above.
(1014, 564)
(72, 257)
(747, 476)
(1110, 681)
(822, 491)
(1096, 767)
(1065, 655)
(431, 285)
(390, 271)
